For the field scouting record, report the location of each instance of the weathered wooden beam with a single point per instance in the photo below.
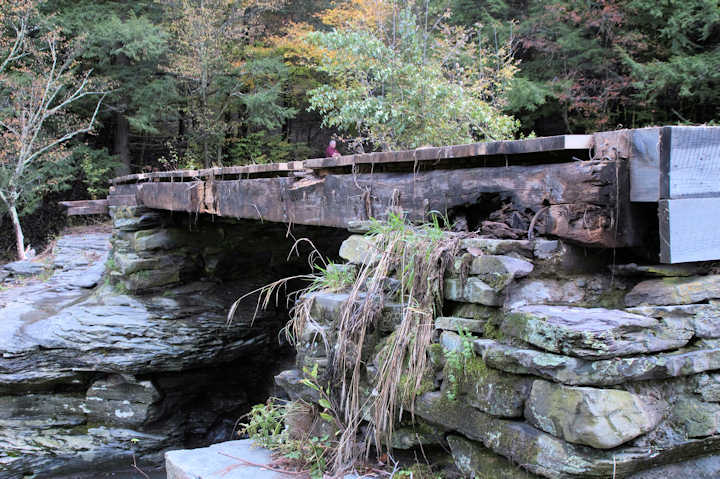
(336, 200)
(186, 196)
(689, 229)
(640, 148)
(85, 207)
(511, 147)
(689, 162)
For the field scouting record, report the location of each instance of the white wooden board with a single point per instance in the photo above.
(689, 162)
(645, 165)
(689, 229)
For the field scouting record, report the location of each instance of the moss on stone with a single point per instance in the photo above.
(492, 329)
(436, 354)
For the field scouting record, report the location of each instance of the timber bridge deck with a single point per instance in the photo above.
(598, 190)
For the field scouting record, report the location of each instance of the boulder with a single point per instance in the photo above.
(60, 451)
(605, 372)
(708, 386)
(495, 270)
(696, 418)
(599, 418)
(474, 460)
(122, 401)
(592, 332)
(359, 249)
(473, 291)
(290, 381)
(579, 290)
(493, 392)
(418, 434)
(674, 291)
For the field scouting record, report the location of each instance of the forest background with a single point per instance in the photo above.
(194, 83)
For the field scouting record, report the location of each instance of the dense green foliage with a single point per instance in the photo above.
(592, 65)
(211, 82)
(402, 87)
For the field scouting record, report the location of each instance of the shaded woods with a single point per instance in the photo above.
(195, 83)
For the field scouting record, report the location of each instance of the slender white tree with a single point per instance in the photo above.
(38, 83)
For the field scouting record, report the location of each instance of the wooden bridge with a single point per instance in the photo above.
(612, 189)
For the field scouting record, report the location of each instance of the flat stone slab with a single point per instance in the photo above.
(451, 323)
(24, 268)
(592, 332)
(604, 372)
(480, 246)
(659, 270)
(544, 291)
(703, 319)
(499, 264)
(214, 462)
(707, 467)
(668, 291)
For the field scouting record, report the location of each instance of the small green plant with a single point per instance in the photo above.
(120, 288)
(333, 277)
(265, 423)
(110, 264)
(311, 380)
(266, 426)
(455, 363)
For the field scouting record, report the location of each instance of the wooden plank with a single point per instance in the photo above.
(124, 189)
(645, 165)
(511, 147)
(83, 203)
(87, 210)
(173, 174)
(689, 162)
(689, 229)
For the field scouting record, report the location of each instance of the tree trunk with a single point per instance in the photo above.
(121, 144)
(19, 239)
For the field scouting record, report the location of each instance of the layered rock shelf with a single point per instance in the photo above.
(122, 348)
(579, 368)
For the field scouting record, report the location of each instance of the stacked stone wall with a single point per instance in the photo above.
(579, 367)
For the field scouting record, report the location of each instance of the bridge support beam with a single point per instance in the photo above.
(584, 201)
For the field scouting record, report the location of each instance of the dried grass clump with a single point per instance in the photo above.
(417, 256)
